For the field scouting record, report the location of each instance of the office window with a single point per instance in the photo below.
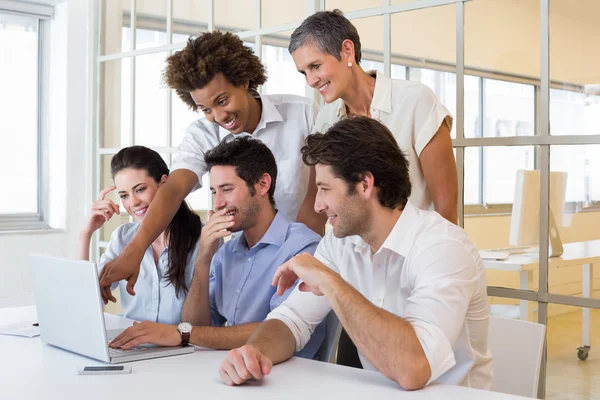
(283, 77)
(509, 109)
(20, 122)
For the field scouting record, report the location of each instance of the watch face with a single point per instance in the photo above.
(184, 327)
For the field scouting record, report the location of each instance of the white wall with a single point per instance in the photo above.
(68, 141)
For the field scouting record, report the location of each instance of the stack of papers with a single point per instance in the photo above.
(25, 329)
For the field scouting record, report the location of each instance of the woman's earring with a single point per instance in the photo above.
(349, 64)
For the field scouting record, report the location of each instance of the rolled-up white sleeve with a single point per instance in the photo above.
(301, 312)
(191, 152)
(429, 115)
(438, 303)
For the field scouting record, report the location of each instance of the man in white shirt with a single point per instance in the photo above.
(407, 285)
(216, 74)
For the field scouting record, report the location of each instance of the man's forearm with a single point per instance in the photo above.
(222, 338)
(386, 340)
(196, 308)
(274, 340)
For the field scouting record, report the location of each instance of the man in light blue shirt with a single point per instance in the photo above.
(231, 291)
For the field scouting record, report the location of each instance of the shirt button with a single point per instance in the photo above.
(377, 300)
(250, 259)
(238, 291)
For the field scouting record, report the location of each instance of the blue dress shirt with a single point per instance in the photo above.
(240, 281)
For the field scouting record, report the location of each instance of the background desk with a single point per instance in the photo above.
(30, 369)
(580, 253)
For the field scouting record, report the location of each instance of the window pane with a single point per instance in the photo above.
(398, 71)
(500, 169)
(151, 23)
(283, 77)
(277, 12)
(189, 18)
(443, 85)
(509, 109)
(472, 184)
(235, 15)
(582, 165)
(574, 113)
(18, 124)
(370, 65)
(502, 38)
(115, 34)
(150, 101)
(115, 103)
(574, 63)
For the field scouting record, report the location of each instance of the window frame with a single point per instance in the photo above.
(36, 221)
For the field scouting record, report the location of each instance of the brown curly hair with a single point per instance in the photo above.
(205, 56)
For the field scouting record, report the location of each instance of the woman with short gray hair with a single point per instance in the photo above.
(326, 50)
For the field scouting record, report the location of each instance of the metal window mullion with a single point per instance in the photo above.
(544, 179)
(528, 141)
(211, 15)
(482, 152)
(482, 107)
(95, 40)
(42, 101)
(387, 39)
(460, 108)
(132, 74)
(258, 37)
(313, 6)
(169, 104)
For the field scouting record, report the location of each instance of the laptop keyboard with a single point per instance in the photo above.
(136, 350)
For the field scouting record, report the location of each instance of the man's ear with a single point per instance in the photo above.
(264, 184)
(367, 185)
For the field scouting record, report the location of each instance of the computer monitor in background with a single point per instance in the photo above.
(525, 220)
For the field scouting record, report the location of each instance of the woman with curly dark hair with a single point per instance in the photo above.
(218, 75)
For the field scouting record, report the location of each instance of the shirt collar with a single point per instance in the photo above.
(269, 114)
(275, 235)
(399, 239)
(382, 96)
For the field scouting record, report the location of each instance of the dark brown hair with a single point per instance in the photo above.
(205, 56)
(354, 146)
(251, 159)
(185, 227)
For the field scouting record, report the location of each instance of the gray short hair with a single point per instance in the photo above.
(327, 30)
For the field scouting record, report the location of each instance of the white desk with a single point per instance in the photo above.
(30, 369)
(580, 253)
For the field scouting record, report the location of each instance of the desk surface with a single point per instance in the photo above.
(30, 369)
(577, 253)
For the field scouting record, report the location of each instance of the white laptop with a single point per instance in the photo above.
(70, 312)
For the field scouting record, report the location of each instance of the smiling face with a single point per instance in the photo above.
(225, 104)
(323, 71)
(348, 213)
(136, 190)
(230, 192)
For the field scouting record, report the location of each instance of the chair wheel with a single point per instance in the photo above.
(583, 354)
